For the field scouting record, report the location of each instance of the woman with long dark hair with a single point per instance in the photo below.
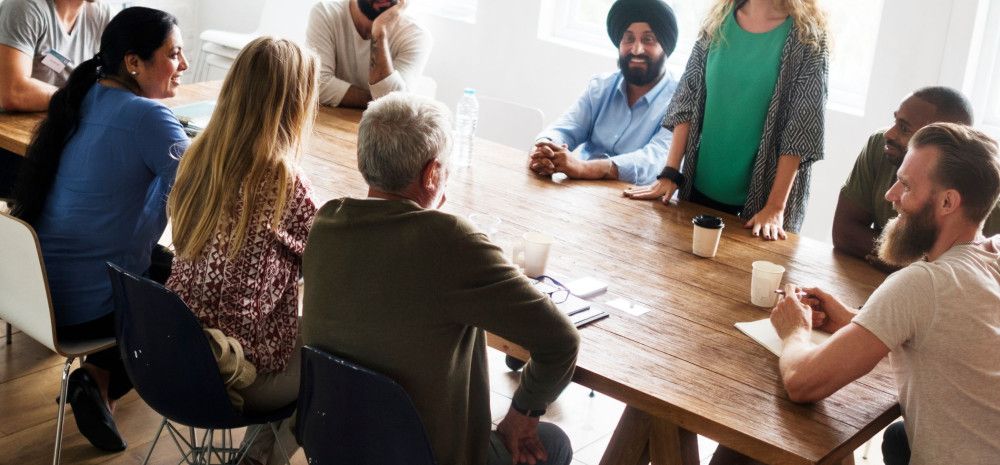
(94, 187)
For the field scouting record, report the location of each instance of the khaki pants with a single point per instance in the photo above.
(270, 392)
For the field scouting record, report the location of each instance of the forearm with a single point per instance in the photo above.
(355, 97)
(600, 169)
(27, 95)
(801, 380)
(788, 167)
(853, 238)
(380, 62)
(678, 145)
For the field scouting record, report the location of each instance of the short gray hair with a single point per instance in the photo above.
(398, 135)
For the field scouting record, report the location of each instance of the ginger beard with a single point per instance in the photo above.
(908, 237)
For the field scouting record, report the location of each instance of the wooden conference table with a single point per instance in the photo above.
(682, 368)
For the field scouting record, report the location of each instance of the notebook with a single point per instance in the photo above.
(763, 332)
(194, 117)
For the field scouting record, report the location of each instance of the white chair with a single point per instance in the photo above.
(25, 302)
(425, 87)
(286, 18)
(508, 123)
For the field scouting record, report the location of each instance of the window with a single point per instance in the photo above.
(583, 24)
(853, 31)
(853, 28)
(462, 10)
(984, 68)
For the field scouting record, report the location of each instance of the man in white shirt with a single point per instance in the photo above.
(367, 49)
(938, 318)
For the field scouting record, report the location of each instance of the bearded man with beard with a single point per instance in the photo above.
(616, 122)
(862, 210)
(367, 49)
(938, 317)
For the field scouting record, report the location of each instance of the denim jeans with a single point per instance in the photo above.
(895, 446)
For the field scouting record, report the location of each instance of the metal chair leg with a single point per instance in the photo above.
(868, 448)
(155, 440)
(281, 447)
(8, 333)
(61, 415)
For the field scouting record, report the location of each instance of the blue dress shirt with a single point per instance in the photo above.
(108, 200)
(602, 125)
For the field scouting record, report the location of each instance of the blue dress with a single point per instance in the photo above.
(108, 200)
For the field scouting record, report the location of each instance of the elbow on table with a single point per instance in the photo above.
(804, 389)
(9, 100)
(841, 238)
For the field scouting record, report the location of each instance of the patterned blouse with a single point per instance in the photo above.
(793, 126)
(252, 297)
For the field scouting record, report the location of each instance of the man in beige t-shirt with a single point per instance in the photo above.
(938, 318)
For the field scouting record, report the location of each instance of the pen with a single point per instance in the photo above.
(798, 294)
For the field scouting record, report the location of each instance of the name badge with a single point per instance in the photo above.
(55, 61)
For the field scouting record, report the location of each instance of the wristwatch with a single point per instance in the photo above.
(526, 412)
(672, 174)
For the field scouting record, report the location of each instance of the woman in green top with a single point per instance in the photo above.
(749, 109)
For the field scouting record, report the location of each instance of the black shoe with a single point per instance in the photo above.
(92, 416)
(514, 363)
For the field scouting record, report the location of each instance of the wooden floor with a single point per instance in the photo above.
(29, 384)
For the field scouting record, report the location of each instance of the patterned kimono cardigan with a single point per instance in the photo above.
(793, 126)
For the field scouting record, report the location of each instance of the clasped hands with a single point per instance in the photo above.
(547, 158)
(803, 309)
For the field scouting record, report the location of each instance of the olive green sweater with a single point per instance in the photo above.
(409, 292)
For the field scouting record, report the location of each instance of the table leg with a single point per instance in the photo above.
(640, 439)
(671, 444)
(849, 460)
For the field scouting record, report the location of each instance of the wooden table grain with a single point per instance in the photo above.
(682, 368)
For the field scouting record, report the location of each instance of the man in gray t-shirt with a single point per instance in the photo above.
(938, 317)
(41, 42)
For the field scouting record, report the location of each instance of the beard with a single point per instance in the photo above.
(639, 77)
(368, 9)
(908, 239)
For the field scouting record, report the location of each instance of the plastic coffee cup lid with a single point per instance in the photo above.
(708, 221)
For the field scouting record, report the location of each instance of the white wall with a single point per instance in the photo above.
(920, 42)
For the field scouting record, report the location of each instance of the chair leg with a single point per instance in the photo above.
(281, 447)
(8, 333)
(868, 448)
(61, 414)
(155, 440)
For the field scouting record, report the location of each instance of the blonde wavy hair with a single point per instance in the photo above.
(265, 109)
(809, 19)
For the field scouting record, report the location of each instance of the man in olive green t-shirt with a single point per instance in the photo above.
(862, 210)
(402, 288)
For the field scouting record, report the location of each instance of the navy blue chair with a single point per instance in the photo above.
(170, 363)
(350, 414)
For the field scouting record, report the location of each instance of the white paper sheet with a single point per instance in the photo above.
(763, 332)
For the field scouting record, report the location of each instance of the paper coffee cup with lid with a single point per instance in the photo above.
(707, 232)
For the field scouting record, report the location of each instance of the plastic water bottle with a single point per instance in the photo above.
(466, 119)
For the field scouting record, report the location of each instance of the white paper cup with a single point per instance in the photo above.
(764, 280)
(533, 253)
(707, 232)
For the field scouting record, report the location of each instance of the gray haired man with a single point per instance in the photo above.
(407, 290)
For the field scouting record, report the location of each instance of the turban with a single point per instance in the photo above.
(656, 13)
